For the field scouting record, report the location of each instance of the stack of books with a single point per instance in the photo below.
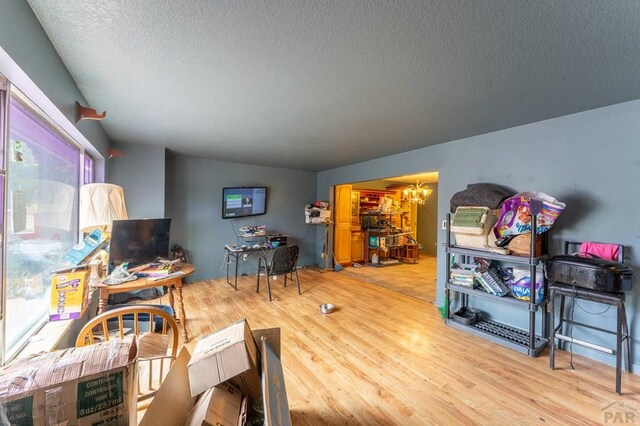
(491, 282)
(158, 269)
(463, 277)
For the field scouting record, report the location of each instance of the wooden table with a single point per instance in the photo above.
(174, 284)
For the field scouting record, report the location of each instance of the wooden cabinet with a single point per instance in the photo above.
(342, 227)
(357, 246)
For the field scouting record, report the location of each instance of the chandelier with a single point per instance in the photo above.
(418, 193)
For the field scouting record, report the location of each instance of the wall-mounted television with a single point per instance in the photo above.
(244, 201)
(138, 241)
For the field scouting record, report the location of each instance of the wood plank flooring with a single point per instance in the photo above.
(386, 358)
(413, 279)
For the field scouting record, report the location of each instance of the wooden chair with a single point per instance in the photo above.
(157, 333)
(283, 262)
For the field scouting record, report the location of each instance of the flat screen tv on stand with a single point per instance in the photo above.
(244, 201)
(138, 241)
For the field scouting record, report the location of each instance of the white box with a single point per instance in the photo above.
(222, 405)
(229, 353)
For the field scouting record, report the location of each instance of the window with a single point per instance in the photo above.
(43, 178)
(88, 170)
(3, 133)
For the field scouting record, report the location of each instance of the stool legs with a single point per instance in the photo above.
(625, 331)
(620, 321)
(621, 330)
(552, 334)
(561, 342)
(258, 275)
(268, 286)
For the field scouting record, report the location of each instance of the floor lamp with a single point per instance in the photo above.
(100, 205)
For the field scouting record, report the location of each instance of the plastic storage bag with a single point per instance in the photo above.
(515, 215)
(520, 284)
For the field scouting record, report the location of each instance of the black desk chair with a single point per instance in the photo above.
(283, 262)
(616, 299)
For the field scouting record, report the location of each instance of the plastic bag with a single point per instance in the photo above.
(515, 215)
(120, 275)
(520, 284)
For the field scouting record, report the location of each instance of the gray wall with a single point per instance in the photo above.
(22, 37)
(141, 172)
(428, 222)
(194, 201)
(376, 184)
(590, 160)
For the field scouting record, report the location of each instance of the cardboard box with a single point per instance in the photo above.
(82, 250)
(175, 390)
(175, 393)
(85, 386)
(229, 353)
(69, 294)
(222, 405)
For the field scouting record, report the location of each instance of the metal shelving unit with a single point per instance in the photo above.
(524, 341)
(380, 232)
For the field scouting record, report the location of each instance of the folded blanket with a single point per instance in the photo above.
(601, 250)
(480, 195)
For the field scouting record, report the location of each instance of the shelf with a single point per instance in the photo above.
(378, 213)
(523, 304)
(383, 231)
(496, 256)
(505, 335)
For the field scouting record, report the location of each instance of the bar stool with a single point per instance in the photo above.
(621, 332)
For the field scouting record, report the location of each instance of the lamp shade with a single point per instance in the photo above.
(100, 205)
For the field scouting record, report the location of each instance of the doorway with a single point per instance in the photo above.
(385, 232)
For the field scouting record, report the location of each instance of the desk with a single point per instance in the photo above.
(234, 254)
(172, 283)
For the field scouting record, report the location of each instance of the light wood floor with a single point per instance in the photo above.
(385, 358)
(413, 279)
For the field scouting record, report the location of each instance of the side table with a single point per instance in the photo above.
(173, 283)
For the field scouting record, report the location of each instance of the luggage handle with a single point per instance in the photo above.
(586, 254)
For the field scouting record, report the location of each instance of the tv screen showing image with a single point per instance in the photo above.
(138, 241)
(242, 202)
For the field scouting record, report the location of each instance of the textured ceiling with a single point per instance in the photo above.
(315, 84)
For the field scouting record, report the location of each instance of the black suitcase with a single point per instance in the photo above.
(588, 272)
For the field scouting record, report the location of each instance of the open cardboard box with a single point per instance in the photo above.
(173, 402)
(230, 353)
